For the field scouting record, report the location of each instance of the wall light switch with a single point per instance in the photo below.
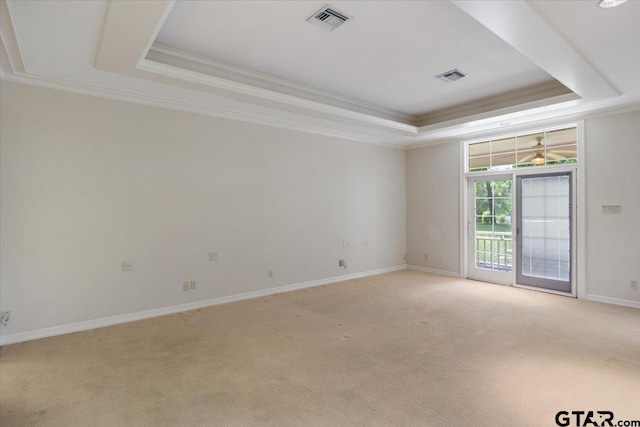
(127, 266)
(345, 243)
(611, 209)
(213, 256)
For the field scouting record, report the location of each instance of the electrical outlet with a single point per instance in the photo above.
(192, 284)
(342, 263)
(426, 256)
(270, 274)
(186, 286)
(213, 256)
(127, 266)
(5, 318)
(404, 258)
(634, 284)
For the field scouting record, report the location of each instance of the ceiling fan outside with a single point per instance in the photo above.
(538, 156)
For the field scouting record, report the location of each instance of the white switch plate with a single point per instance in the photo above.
(127, 266)
(213, 256)
(270, 274)
(345, 243)
(611, 209)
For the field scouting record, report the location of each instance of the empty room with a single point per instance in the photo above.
(299, 213)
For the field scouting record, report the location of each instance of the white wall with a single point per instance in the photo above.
(433, 219)
(612, 177)
(87, 183)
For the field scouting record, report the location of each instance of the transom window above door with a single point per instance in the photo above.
(538, 149)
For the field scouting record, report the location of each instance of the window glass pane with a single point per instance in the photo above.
(479, 149)
(501, 146)
(525, 158)
(478, 163)
(562, 154)
(561, 137)
(529, 142)
(553, 147)
(503, 161)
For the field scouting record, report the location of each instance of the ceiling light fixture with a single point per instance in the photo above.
(607, 4)
(539, 160)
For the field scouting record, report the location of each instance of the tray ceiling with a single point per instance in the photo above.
(371, 79)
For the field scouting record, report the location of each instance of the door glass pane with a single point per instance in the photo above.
(546, 227)
(493, 239)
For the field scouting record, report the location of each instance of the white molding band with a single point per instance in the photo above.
(615, 301)
(131, 317)
(233, 74)
(433, 271)
(171, 104)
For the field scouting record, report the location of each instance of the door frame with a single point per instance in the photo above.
(578, 286)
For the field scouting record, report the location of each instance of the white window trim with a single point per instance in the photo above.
(579, 243)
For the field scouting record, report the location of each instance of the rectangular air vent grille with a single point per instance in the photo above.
(451, 76)
(328, 18)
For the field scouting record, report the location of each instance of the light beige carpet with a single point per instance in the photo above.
(400, 349)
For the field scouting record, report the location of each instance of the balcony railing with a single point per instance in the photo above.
(494, 250)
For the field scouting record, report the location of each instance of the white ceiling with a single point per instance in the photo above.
(609, 39)
(387, 54)
(250, 70)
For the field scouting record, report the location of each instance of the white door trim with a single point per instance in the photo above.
(579, 289)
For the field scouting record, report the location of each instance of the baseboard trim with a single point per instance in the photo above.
(141, 315)
(609, 300)
(433, 271)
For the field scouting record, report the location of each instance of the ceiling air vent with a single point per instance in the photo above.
(451, 76)
(328, 18)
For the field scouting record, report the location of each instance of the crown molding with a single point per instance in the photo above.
(536, 95)
(529, 124)
(272, 97)
(212, 67)
(191, 107)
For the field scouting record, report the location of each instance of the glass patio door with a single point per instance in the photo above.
(544, 234)
(490, 229)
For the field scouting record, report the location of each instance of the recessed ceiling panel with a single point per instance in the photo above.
(387, 54)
